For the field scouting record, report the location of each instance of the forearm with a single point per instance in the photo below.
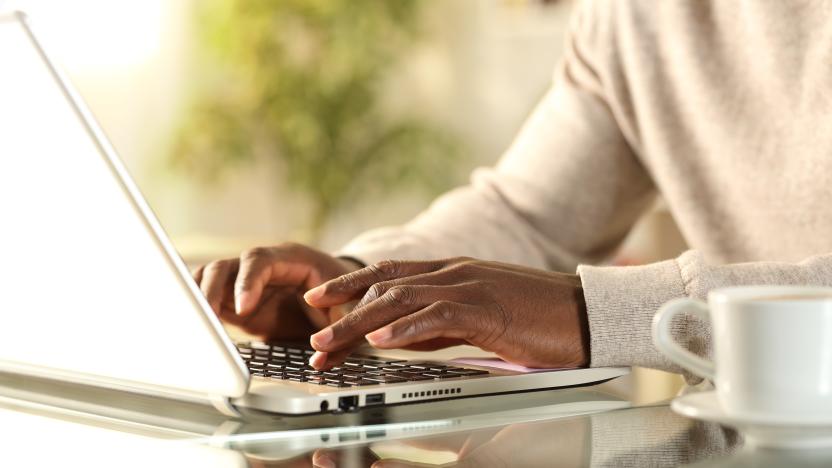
(621, 302)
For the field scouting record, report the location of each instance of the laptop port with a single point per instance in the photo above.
(374, 399)
(348, 403)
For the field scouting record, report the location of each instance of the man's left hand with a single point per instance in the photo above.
(526, 316)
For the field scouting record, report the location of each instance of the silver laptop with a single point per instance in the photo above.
(94, 293)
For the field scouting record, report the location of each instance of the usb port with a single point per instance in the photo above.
(348, 403)
(374, 399)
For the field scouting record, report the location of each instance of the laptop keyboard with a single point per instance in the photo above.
(282, 362)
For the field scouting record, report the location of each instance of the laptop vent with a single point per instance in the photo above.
(431, 393)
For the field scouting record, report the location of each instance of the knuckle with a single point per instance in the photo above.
(343, 283)
(243, 283)
(376, 291)
(414, 326)
(353, 320)
(447, 312)
(399, 295)
(254, 253)
(462, 260)
(464, 269)
(387, 268)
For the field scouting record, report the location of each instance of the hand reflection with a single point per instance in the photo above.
(350, 457)
(515, 445)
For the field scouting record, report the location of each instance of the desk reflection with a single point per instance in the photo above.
(566, 428)
(635, 437)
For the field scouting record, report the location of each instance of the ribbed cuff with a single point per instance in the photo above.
(621, 302)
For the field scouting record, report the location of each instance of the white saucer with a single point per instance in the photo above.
(763, 430)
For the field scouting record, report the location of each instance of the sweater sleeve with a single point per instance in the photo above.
(621, 301)
(567, 190)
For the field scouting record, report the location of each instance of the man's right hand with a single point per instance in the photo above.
(262, 291)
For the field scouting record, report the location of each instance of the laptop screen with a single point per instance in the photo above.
(90, 287)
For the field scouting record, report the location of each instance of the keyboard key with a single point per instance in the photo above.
(411, 377)
(291, 363)
(426, 365)
(385, 379)
(336, 384)
(368, 382)
(466, 372)
(437, 375)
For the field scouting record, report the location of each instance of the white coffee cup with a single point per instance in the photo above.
(772, 348)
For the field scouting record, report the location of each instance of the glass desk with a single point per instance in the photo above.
(44, 423)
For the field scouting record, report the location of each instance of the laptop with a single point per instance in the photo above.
(95, 294)
(272, 439)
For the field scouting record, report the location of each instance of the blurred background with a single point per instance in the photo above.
(250, 122)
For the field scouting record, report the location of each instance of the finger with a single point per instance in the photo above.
(254, 275)
(397, 302)
(260, 323)
(197, 274)
(349, 286)
(261, 267)
(322, 360)
(323, 458)
(443, 319)
(443, 443)
(439, 277)
(215, 277)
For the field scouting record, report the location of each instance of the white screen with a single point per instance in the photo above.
(85, 286)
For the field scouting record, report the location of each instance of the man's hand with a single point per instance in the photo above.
(530, 317)
(261, 291)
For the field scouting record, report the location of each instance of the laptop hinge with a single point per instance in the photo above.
(224, 406)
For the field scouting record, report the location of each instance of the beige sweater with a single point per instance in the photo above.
(722, 107)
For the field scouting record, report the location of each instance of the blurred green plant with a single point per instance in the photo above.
(300, 81)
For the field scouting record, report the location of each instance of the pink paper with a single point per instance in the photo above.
(498, 363)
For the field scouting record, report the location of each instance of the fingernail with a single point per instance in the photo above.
(380, 336)
(240, 301)
(314, 294)
(322, 338)
(317, 360)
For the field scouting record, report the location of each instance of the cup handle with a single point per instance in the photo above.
(663, 339)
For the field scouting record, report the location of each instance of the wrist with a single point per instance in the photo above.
(583, 324)
(583, 321)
